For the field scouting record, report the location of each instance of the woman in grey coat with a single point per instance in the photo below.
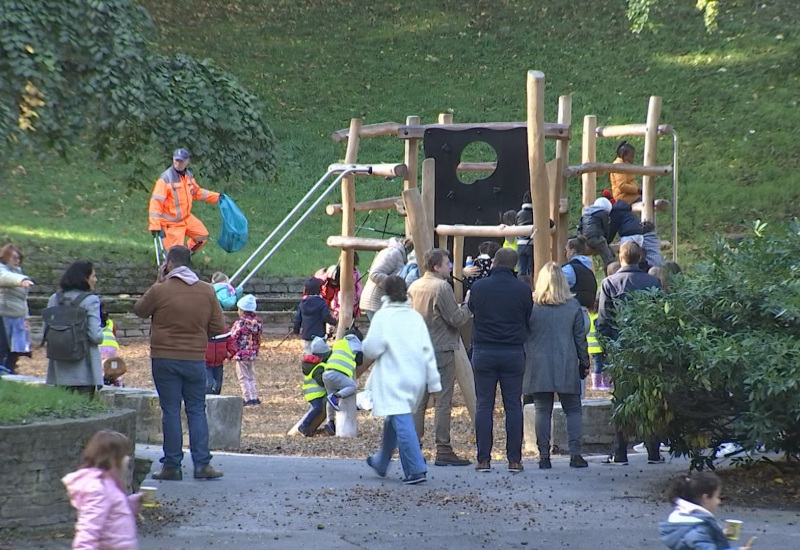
(556, 359)
(86, 375)
(389, 261)
(14, 330)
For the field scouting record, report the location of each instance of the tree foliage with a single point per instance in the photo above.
(717, 358)
(639, 12)
(83, 69)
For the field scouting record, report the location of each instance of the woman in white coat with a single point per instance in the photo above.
(404, 369)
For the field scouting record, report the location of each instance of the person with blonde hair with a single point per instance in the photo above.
(556, 360)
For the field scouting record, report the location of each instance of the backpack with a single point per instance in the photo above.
(65, 329)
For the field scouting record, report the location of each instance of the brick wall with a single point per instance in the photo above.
(35, 458)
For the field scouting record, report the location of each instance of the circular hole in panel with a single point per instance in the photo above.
(477, 152)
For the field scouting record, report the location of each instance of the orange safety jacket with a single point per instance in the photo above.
(171, 201)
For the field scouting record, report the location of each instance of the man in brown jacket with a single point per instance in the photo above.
(432, 296)
(185, 314)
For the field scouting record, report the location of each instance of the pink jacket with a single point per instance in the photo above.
(106, 515)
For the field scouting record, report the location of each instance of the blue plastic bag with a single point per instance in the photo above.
(233, 234)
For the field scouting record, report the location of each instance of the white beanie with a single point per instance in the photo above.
(603, 203)
(247, 303)
(319, 346)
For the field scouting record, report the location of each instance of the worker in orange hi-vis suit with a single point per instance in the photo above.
(171, 205)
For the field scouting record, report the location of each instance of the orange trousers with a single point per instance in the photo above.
(191, 227)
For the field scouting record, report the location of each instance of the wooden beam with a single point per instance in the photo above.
(389, 203)
(650, 157)
(346, 259)
(429, 192)
(370, 130)
(412, 162)
(552, 130)
(445, 118)
(476, 167)
(588, 156)
(560, 185)
(488, 231)
(458, 268)
(357, 243)
(659, 205)
(625, 130)
(387, 170)
(417, 222)
(619, 168)
(538, 171)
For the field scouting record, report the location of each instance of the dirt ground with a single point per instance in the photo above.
(264, 427)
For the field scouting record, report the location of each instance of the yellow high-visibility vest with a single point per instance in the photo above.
(109, 340)
(311, 389)
(342, 359)
(591, 338)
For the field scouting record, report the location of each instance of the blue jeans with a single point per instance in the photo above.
(525, 259)
(399, 433)
(182, 380)
(317, 406)
(214, 380)
(598, 365)
(506, 365)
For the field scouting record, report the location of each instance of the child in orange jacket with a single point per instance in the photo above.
(624, 186)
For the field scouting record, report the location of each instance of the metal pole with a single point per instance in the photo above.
(298, 222)
(674, 196)
(280, 226)
(158, 256)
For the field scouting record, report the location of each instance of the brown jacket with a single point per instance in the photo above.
(183, 318)
(624, 186)
(433, 298)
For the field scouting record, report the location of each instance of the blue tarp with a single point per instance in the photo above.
(233, 234)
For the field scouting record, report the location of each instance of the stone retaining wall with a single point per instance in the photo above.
(35, 458)
(598, 430)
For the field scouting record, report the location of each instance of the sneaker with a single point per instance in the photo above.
(333, 399)
(450, 459)
(659, 460)
(329, 428)
(371, 464)
(484, 466)
(168, 474)
(207, 472)
(415, 478)
(642, 448)
(256, 401)
(614, 461)
(515, 467)
(577, 461)
(544, 463)
(305, 432)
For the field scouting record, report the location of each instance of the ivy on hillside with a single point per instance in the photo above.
(718, 358)
(82, 69)
(639, 12)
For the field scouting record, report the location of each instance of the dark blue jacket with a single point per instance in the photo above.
(622, 220)
(704, 533)
(311, 316)
(614, 288)
(502, 308)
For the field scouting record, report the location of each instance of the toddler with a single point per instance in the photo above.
(312, 314)
(109, 349)
(246, 336)
(226, 294)
(313, 386)
(339, 376)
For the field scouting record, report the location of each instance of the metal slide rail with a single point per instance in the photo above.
(344, 170)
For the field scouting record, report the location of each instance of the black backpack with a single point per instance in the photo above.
(65, 329)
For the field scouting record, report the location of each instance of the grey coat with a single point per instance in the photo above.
(88, 372)
(389, 261)
(555, 350)
(13, 298)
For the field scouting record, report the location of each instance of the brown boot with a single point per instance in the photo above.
(168, 474)
(450, 459)
(207, 472)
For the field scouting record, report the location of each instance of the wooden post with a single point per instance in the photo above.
(559, 186)
(429, 194)
(538, 171)
(346, 280)
(346, 425)
(458, 268)
(445, 118)
(465, 378)
(418, 225)
(650, 157)
(412, 162)
(589, 154)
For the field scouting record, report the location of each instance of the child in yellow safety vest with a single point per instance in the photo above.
(109, 347)
(599, 378)
(339, 376)
(313, 387)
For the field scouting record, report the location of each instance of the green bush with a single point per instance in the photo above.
(23, 403)
(717, 358)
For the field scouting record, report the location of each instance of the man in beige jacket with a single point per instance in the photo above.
(432, 296)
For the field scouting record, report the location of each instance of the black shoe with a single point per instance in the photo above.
(168, 474)
(659, 460)
(544, 463)
(616, 461)
(577, 461)
(484, 466)
(415, 478)
(515, 467)
(207, 472)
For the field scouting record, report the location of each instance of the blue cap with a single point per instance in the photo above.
(181, 154)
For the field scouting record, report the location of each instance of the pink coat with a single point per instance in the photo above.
(106, 515)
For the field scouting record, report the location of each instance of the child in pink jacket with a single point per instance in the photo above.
(106, 515)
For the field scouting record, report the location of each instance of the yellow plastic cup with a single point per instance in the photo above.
(149, 499)
(732, 529)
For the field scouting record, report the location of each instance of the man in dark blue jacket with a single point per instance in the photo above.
(614, 288)
(502, 308)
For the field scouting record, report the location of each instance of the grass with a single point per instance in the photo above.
(732, 96)
(24, 403)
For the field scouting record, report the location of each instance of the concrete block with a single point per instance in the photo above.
(346, 417)
(598, 430)
(224, 414)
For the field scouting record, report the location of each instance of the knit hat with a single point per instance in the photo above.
(319, 346)
(355, 343)
(312, 286)
(603, 203)
(247, 303)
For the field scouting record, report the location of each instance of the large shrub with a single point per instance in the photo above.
(717, 358)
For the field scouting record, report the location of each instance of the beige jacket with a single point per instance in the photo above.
(433, 298)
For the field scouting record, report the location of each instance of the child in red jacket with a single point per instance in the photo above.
(217, 351)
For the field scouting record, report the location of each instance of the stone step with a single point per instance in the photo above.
(123, 303)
